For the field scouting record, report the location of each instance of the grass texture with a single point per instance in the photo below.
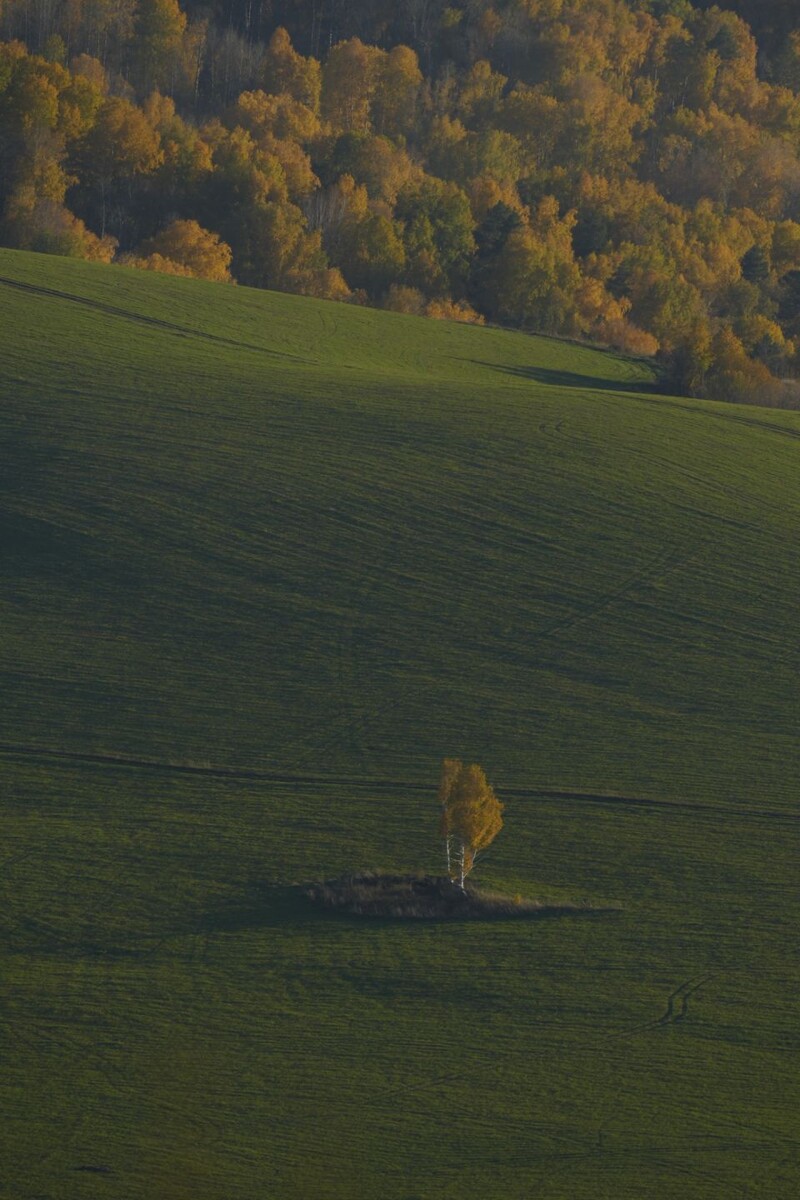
(265, 561)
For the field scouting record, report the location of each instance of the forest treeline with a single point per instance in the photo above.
(626, 171)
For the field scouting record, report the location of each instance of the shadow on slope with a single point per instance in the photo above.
(571, 379)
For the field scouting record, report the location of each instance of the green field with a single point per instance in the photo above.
(265, 560)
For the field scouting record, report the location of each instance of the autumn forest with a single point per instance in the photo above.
(621, 171)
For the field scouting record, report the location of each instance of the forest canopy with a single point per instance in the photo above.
(626, 172)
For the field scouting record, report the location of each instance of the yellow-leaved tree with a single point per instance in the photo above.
(471, 816)
(184, 248)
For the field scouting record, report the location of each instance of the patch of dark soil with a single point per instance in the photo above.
(427, 897)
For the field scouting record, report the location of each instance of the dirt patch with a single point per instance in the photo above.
(428, 897)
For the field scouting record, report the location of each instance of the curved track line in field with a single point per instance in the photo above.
(354, 783)
(554, 429)
(94, 1053)
(15, 858)
(675, 1011)
(724, 415)
(68, 1045)
(644, 395)
(139, 318)
(678, 1001)
(49, 938)
(681, 1169)
(618, 800)
(353, 718)
(661, 565)
(589, 1147)
(352, 676)
(721, 411)
(778, 1142)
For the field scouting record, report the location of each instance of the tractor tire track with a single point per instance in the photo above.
(74, 758)
(712, 487)
(678, 1001)
(355, 718)
(43, 1039)
(693, 1173)
(719, 413)
(13, 859)
(658, 568)
(153, 322)
(675, 1011)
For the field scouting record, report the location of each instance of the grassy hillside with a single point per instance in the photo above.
(264, 561)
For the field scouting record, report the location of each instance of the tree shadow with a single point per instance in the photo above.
(269, 906)
(571, 379)
(264, 906)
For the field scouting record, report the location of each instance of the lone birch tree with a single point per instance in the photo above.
(471, 816)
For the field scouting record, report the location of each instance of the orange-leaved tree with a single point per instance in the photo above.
(471, 815)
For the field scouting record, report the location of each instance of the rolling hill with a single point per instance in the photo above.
(264, 561)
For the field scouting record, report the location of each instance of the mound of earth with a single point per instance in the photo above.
(425, 897)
